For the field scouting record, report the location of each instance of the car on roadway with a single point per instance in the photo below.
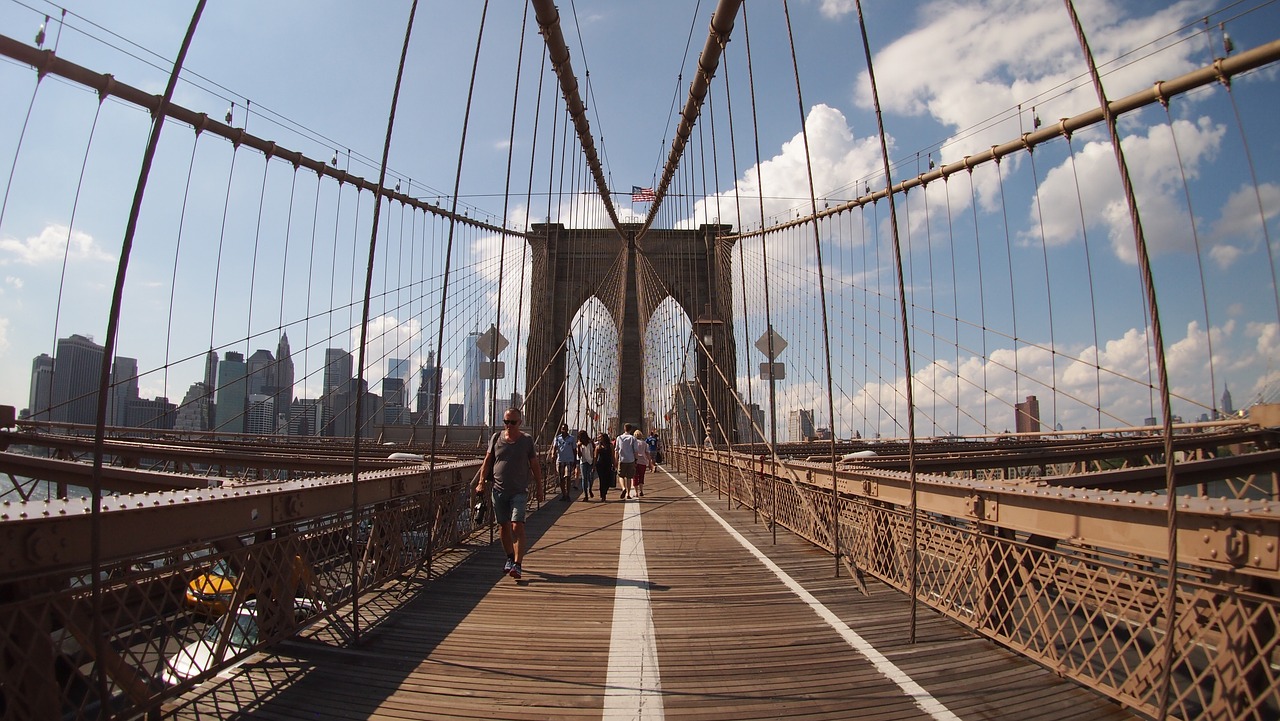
(241, 634)
(212, 590)
(401, 456)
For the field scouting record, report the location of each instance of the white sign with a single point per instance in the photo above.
(491, 342)
(779, 344)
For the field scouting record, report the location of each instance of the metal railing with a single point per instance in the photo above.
(192, 582)
(1072, 578)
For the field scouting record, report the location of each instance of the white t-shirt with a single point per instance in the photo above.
(587, 452)
(642, 453)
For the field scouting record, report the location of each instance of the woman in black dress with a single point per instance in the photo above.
(606, 467)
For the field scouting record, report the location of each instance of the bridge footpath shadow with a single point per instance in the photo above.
(417, 614)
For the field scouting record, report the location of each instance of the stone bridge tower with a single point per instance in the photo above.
(631, 276)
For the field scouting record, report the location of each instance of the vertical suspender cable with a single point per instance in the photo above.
(768, 312)
(1162, 369)
(902, 308)
(822, 298)
(1195, 237)
(448, 257)
(524, 247)
(506, 201)
(109, 344)
(364, 327)
(66, 251)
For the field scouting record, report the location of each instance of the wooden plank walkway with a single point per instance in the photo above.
(729, 639)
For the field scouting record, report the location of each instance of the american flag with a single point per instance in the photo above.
(642, 195)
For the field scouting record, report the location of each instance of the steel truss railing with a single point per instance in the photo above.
(299, 550)
(1072, 578)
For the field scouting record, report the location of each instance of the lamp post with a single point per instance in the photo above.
(599, 398)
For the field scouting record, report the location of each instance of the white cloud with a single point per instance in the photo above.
(1093, 178)
(835, 8)
(1225, 255)
(956, 69)
(1238, 230)
(50, 245)
(1070, 387)
(838, 159)
(14, 282)
(388, 338)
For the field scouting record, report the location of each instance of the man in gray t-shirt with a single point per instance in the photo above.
(509, 464)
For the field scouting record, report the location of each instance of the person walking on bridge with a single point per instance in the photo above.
(566, 459)
(586, 462)
(626, 447)
(512, 460)
(643, 462)
(605, 465)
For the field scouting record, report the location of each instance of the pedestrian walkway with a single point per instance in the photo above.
(669, 606)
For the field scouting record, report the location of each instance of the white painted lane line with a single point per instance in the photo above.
(633, 687)
(922, 698)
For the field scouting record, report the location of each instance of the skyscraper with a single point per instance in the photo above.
(210, 386)
(337, 374)
(1027, 416)
(474, 391)
(260, 418)
(124, 390)
(800, 425)
(259, 372)
(77, 367)
(232, 394)
(155, 413)
(283, 380)
(307, 417)
(398, 368)
(337, 369)
(394, 411)
(211, 371)
(429, 389)
(195, 413)
(41, 387)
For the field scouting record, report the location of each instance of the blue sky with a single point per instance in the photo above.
(317, 77)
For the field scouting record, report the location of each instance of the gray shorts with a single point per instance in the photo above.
(627, 470)
(509, 508)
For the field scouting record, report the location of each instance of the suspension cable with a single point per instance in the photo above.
(1162, 368)
(902, 306)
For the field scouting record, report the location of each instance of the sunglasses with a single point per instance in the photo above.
(509, 422)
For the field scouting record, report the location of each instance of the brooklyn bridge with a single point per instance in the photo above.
(956, 325)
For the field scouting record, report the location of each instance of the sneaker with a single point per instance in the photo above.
(506, 568)
(515, 571)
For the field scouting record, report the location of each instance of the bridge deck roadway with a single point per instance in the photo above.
(646, 609)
